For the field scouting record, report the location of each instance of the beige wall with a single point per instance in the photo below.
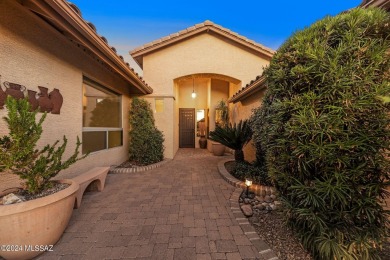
(32, 53)
(243, 110)
(219, 91)
(204, 53)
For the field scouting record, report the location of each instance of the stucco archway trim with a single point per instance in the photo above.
(207, 75)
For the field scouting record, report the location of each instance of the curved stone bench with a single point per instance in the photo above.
(93, 179)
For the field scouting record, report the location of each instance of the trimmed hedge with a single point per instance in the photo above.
(145, 140)
(324, 133)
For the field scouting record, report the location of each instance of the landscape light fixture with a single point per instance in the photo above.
(193, 95)
(248, 183)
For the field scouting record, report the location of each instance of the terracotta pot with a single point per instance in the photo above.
(57, 100)
(14, 90)
(38, 222)
(32, 99)
(202, 142)
(44, 101)
(218, 149)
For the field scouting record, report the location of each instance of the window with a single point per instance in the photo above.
(102, 118)
(159, 105)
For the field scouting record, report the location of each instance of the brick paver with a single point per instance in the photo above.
(178, 211)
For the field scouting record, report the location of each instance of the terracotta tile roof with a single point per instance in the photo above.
(205, 27)
(92, 26)
(249, 89)
(385, 4)
(67, 18)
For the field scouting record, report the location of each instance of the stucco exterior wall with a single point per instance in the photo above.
(219, 92)
(33, 54)
(203, 53)
(243, 110)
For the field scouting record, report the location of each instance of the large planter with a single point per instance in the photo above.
(218, 149)
(34, 226)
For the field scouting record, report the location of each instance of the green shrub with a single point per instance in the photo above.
(233, 136)
(259, 126)
(146, 141)
(18, 153)
(222, 114)
(325, 133)
(244, 170)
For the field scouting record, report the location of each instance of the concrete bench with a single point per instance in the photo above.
(93, 179)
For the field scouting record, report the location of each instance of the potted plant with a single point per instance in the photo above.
(202, 133)
(221, 120)
(233, 136)
(36, 224)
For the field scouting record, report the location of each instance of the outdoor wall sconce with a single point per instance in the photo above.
(248, 183)
(193, 95)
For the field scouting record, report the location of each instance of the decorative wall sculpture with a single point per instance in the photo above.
(3, 96)
(46, 102)
(57, 100)
(14, 90)
(32, 99)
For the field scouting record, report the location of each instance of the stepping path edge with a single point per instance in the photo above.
(262, 247)
(115, 169)
(259, 190)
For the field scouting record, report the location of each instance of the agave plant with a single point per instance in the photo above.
(233, 136)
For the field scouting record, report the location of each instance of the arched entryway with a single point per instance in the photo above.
(197, 97)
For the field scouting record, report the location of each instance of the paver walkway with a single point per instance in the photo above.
(178, 211)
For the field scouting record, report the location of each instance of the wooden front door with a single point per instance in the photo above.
(186, 127)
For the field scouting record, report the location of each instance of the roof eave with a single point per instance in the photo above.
(138, 53)
(248, 90)
(62, 13)
(376, 3)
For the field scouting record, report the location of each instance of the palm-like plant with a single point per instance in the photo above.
(233, 136)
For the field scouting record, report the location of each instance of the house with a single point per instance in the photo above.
(47, 43)
(191, 71)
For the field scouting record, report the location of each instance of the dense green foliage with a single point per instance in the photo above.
(18, 152)
(146, 141)
(222, 114)
(233, 136)
(244, 170)
(325, 133)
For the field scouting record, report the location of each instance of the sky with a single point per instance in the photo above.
(129, 24)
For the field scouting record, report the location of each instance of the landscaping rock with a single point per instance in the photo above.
(247, 210)
(273, 206)
(246, 201)
(259, 198)
(273, 197)
(260, 207)
(267, 199)
(278, 204)
(11, 199)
